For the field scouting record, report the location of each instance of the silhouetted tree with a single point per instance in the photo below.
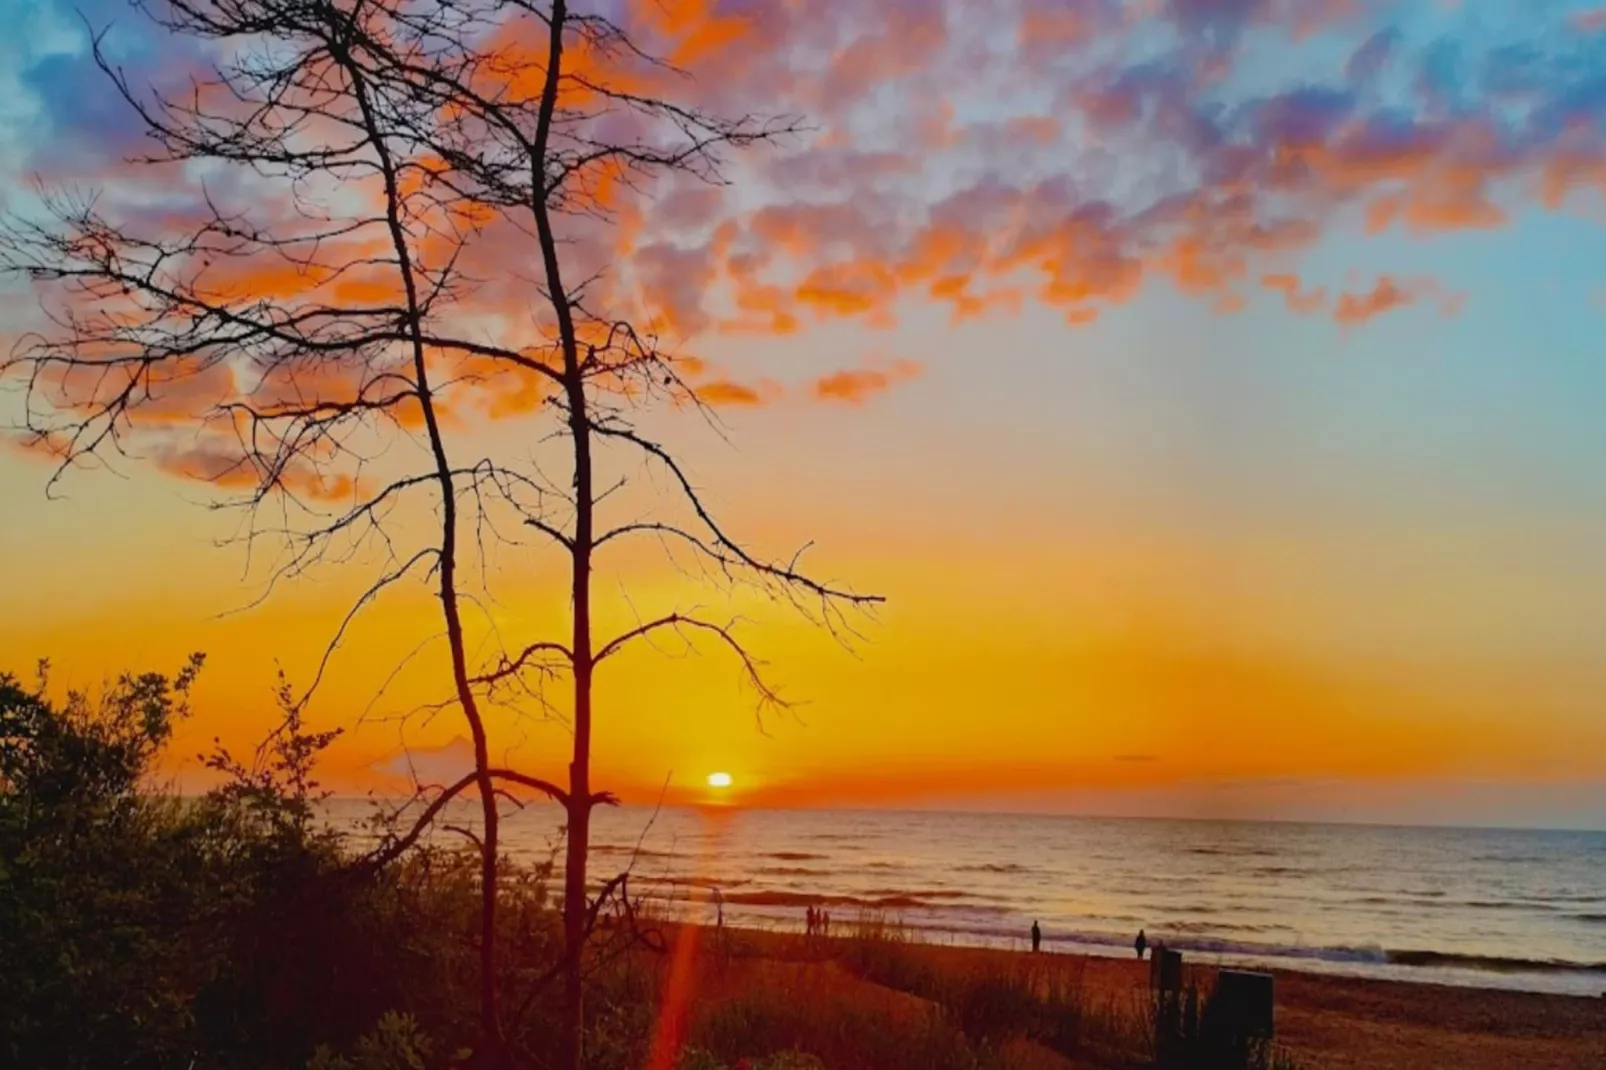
(376, 173)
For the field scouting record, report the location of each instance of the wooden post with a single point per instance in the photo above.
(1165, 983)
(1238, 1020)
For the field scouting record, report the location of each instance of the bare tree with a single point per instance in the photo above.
(303, 329)
(538, 150)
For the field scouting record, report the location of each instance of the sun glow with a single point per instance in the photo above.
(719, 780)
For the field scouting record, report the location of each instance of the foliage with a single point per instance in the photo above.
(396, 1043)
(233, 930)
(278, 789)
(163, 929)
(107, 903)
(881, 950)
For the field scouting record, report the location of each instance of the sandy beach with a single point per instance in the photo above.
(1324, 1022)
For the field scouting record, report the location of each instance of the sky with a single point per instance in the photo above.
(1212, 389)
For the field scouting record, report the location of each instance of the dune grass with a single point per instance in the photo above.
(877, 996)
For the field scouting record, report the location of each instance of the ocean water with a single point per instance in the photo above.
(1499, 908)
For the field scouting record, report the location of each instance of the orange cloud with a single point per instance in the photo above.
(728, 392)
(36, 447)
(208, 463)
(213, 459)
(1288, 285)
(1049, 28)
(1352, 309)
(848, 289)
(858, 385)
(1356, 308)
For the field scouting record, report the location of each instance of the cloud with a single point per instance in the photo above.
(1592, 20)
(1303, 302)
(1217, 143)
(211, 457)
(1372, 56)
(1387, 293)
(44, 448)
(208, 462)
(444, 764)
(947, 184)
(858, 385)
(728, 392)
(1354, 308)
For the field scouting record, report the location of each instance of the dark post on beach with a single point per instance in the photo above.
(1165, 984)
(1237, 1021)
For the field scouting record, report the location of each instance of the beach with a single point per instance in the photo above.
(1323, 1022)
(1478, 908)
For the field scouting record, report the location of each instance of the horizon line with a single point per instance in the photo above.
(726, 807)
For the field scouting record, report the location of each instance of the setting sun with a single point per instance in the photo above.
(719, 780)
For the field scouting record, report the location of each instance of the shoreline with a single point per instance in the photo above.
(1328, 1022)
(1193, 959)
(1453, 970)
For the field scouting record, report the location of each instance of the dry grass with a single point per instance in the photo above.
(877, 998)
(874, 999)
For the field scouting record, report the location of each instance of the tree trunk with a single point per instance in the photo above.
(574, 921)
(579, 836)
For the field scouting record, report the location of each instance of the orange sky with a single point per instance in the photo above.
(1029, 654)
(1222, 429)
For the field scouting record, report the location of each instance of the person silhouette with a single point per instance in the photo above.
(1037, 936)
(809, 918)
(1141, 943)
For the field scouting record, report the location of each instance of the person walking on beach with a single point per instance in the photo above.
(1141, 943)
(809, 920)
(1037, 937)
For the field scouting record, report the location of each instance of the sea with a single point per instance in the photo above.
(1502, 908)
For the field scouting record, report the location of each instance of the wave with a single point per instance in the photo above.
(1365, 956)
(1433, 901)
(630, 849)
(697, 881)
(1265, 952)
(1504, 904)
(993, 867)
(901, 901)
(796, 856)
(793, 871)
(1209, 927)
(1492, 963)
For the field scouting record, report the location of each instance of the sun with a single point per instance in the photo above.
(719, 780)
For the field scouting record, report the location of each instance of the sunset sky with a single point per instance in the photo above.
(1213, 389)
